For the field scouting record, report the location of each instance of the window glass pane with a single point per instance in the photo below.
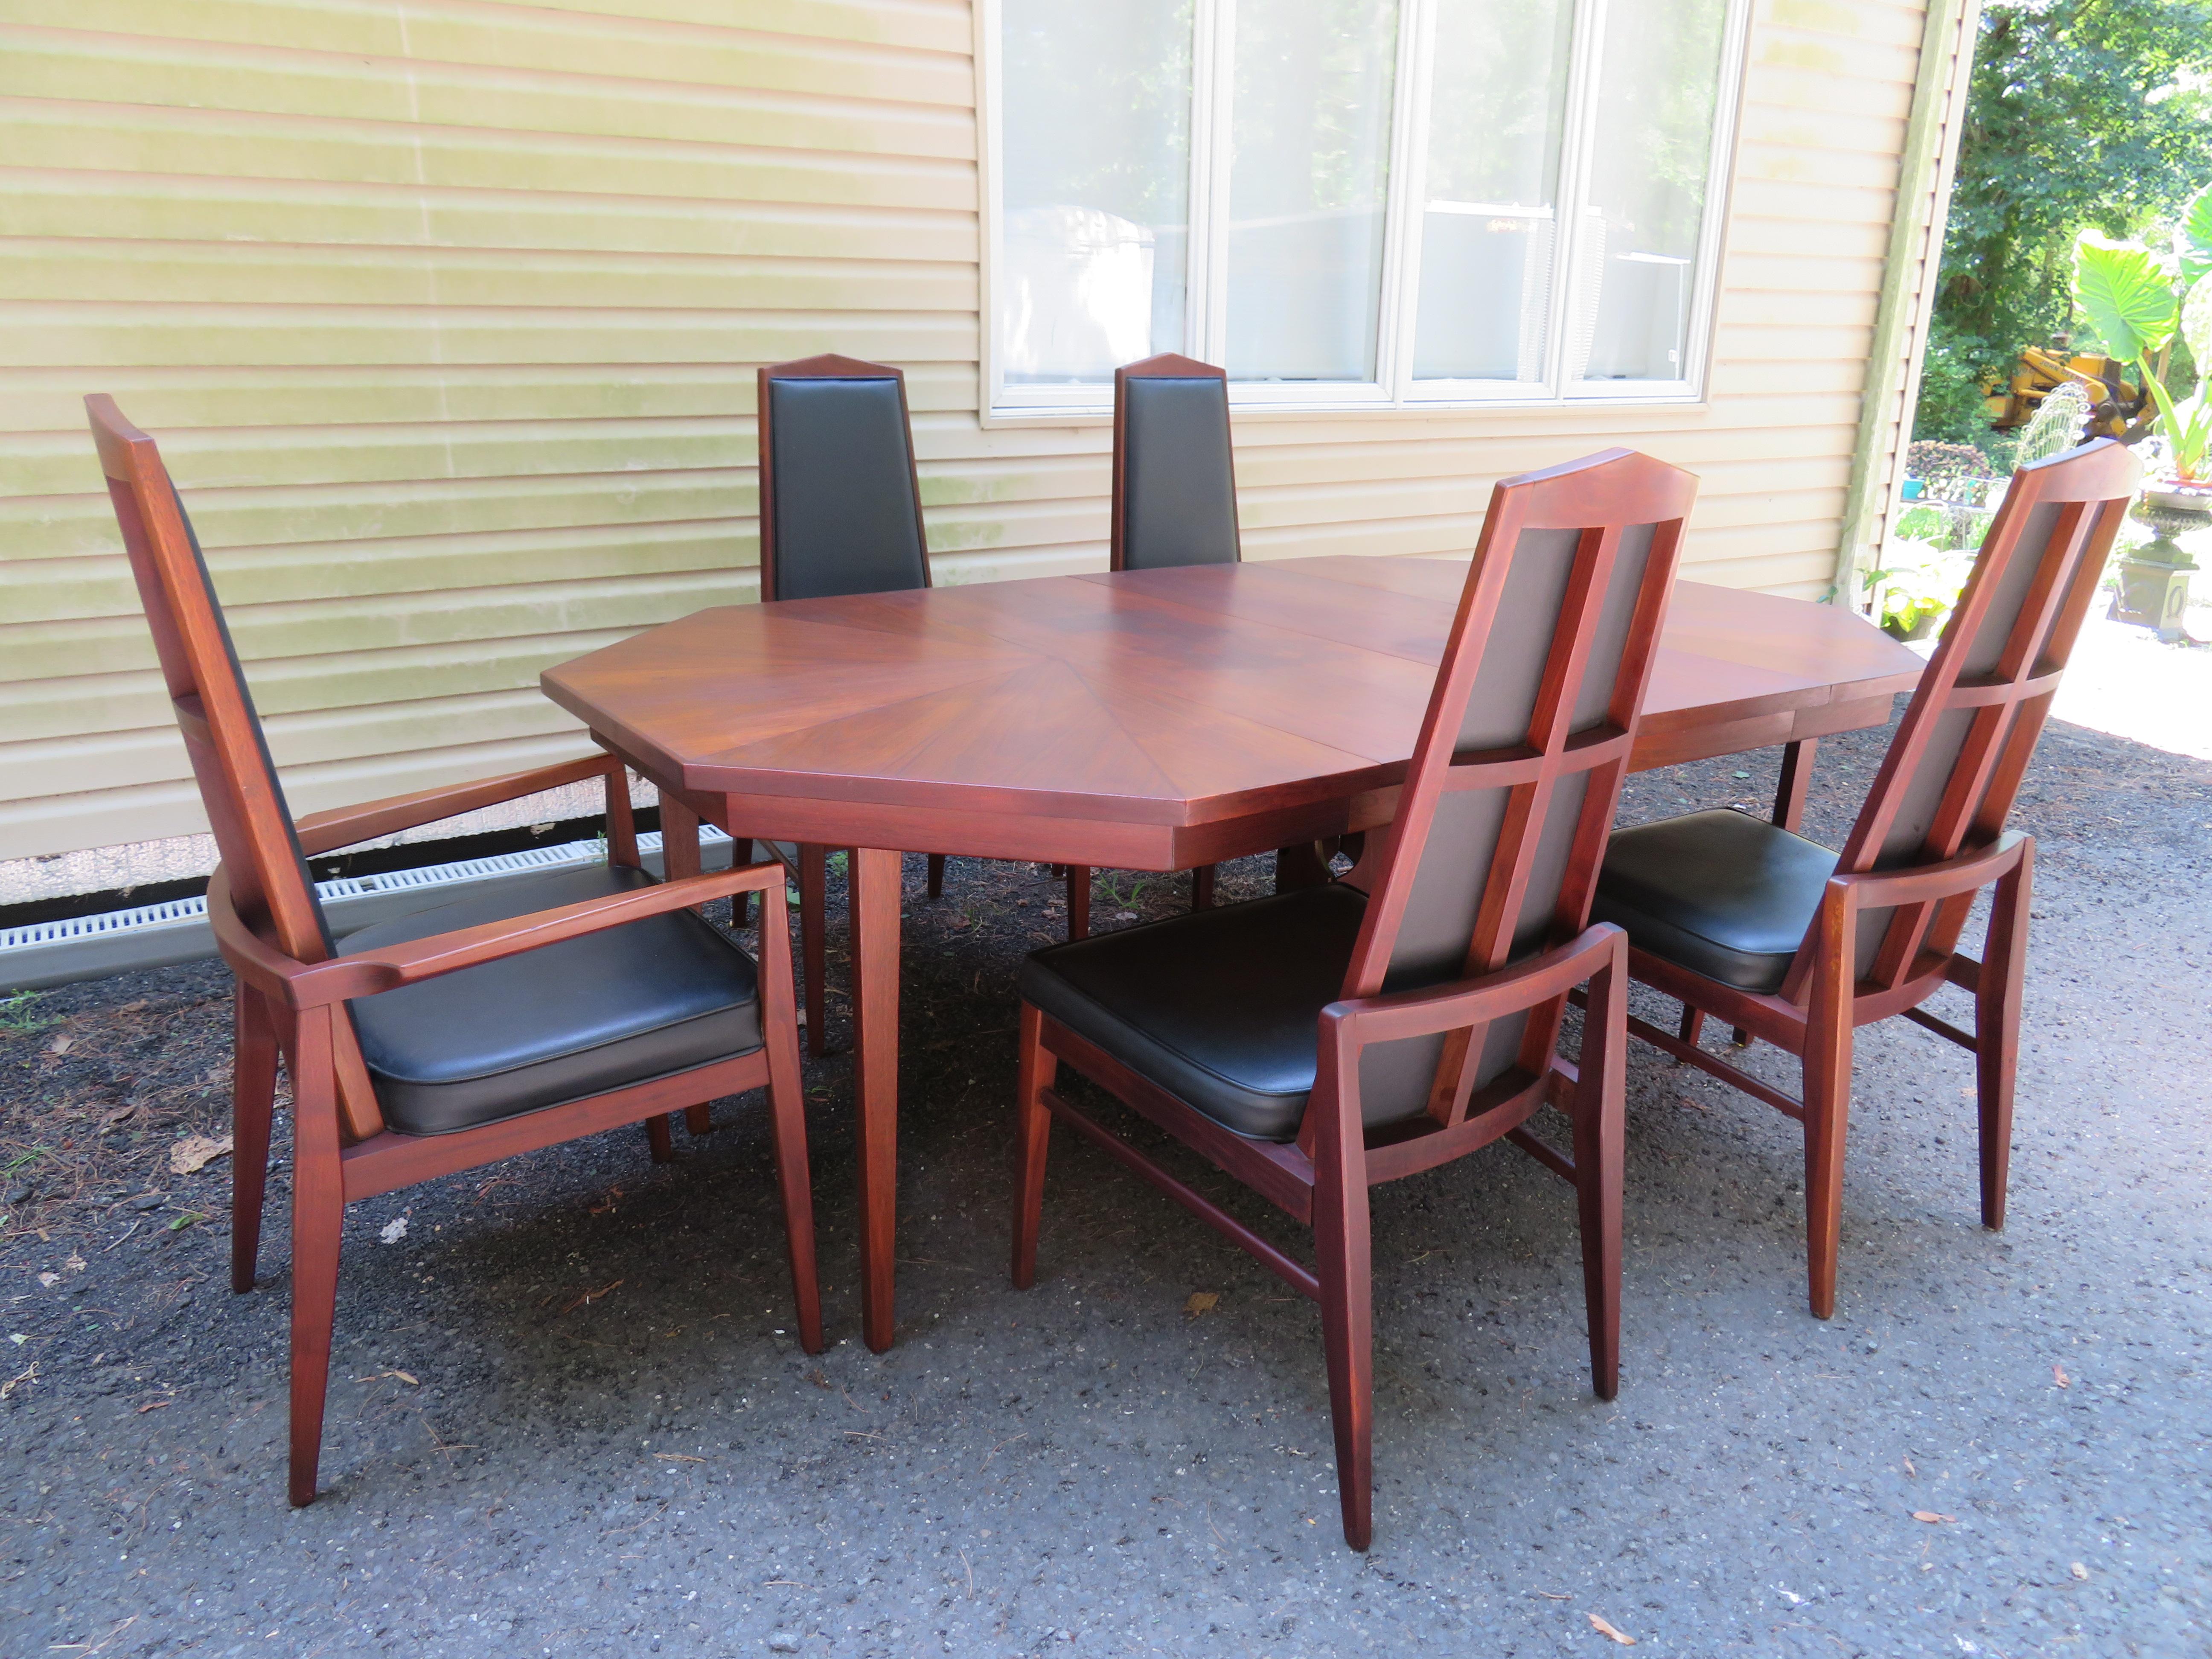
(1096, 167)
(1497, 114)
(1310, 132)
(1658, 97)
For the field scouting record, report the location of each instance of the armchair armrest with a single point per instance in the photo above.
(1456, 1006)
(343, 826)
(314, 985)
(1925, 883)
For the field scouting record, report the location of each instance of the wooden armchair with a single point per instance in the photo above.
(559, 1007)
(1317, 1042)
(1798, 945)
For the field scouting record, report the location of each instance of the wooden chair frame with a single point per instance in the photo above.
(291, 990)
(1825, 998)
(1321, 1178)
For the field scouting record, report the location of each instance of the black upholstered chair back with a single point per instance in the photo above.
(840, 500)
(270, 884)
(1949, 778)
(1175, 487)
(1494, 852)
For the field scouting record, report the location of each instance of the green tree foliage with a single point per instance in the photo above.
(2093, 114)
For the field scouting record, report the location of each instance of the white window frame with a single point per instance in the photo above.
(1394, 388)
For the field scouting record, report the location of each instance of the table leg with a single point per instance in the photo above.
(679, 839)
(1796, 776)
(874, 881)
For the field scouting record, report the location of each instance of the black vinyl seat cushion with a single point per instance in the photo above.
(1221, 1007)
(611, 1009)
(1722, 894)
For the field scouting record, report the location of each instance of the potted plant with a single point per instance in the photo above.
(2137, 304)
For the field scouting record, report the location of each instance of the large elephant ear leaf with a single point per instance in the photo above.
(2192, 243)
(2197, 327)
(2124, 292)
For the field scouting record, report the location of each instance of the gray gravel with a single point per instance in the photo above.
(1088, 1468)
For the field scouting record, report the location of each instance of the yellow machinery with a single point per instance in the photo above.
(2114, 400)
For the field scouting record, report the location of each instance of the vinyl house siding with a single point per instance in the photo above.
(446, 315)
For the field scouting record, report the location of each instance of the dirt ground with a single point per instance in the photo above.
(568, 1417)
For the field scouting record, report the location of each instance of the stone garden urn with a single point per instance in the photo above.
(2154, 578)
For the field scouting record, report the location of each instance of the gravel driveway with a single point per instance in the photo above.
(564, 1418)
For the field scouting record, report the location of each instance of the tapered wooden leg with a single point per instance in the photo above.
(657, 1138)
(1201, 887)
(813, 941)
(1827, 1097)
(699, 1119)
(1032, 1133)
(744, 849)
(1693, 1023)
(679, 839)
(252, 1101)
(1079, 901)
(1996, 1029)
(1601, 1139)
(318, 1218)
(1796, 777)
(937, 875)
(1299, 866)
(787, 1107)
(875, 905)
(1348, 1335)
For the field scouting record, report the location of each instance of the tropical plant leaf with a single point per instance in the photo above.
(2196, 326)
(2124, 292)
(2192, 242)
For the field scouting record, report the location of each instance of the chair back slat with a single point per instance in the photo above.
(1501, 823)
(840, 493)
(1954, 767)
(246, 806)
(1175, 480)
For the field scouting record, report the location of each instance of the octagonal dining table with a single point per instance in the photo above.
(1158, 719)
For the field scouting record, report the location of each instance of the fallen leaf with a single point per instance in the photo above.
(60, 1045)
(50, 1280)
(818, 1379)
(1604, 1629)
(195, 1152)
(1931, 1518)
(75, 1262)
(1201, 1301)
(1910, 1470)
(1694, 1105)
(2059, 1372)
(405, 1379)
(154, 1407)
(393, 1230)
(2078, 1570)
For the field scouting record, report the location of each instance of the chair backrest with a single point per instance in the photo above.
(1175, 487)
(840, 498)
(1951, 771)
(270, 884)
(1502, 822)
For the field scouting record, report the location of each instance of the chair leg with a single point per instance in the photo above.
(1201, 887)
(937, 875)
(657, 1139)
(786, 1106)
(1347, 1327)
(742, 851)
(699, 1119)
(1032, 1134)
(1600, 1140)
(1693, 1023)
(1827, 1097)
(813, 945)
(1079, 901)
(318, 1219)
(252, 1101)
(1996, 1030)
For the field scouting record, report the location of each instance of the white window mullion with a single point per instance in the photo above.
(1401, 234)
(1571, 249)
(1213, 89)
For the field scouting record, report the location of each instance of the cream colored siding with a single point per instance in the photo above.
(445, 316)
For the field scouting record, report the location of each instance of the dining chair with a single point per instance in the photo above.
(1315, 1043)
(1798, 945)
(840, 514)
(1174, 485)
(555, 1007)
